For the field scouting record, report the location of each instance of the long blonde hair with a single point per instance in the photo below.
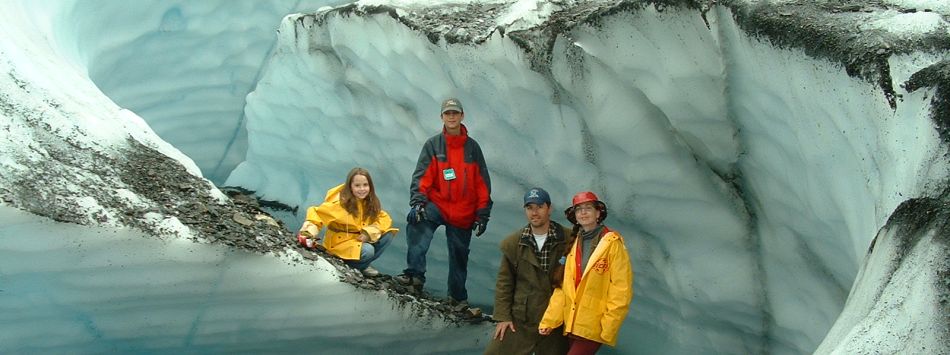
(371, 205)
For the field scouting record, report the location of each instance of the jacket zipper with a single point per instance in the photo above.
(464, 179)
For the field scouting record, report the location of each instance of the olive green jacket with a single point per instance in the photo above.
(523, 288)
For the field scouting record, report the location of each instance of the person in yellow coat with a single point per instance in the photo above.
(594, 280)
(358, 230)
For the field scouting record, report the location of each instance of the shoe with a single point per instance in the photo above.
(408, 280)
(459, 306)
(369, 271)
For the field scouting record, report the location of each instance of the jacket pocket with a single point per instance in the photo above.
(519, 310)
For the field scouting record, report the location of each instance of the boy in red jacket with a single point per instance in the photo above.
(450, 187)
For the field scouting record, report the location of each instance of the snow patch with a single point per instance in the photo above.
(909, 24)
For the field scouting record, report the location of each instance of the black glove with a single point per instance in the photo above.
(479, 226)
(416, 214)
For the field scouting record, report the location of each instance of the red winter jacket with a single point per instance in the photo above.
(462, 199)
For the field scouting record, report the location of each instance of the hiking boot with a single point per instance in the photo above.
(369, 271)
(458, 306)
(408, 280)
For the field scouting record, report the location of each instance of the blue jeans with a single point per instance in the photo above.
(371, 251)
(419, 237)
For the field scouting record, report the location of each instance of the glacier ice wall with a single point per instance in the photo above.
(69, 153)
(320, 86)
(748, 169)
(188, 96)
(905, 270)
(751, 177)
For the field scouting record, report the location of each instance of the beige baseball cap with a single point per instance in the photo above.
(452, 104)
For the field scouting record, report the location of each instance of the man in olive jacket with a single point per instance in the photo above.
(524, 282)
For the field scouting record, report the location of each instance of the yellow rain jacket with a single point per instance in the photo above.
(597, 307)
(343, 229)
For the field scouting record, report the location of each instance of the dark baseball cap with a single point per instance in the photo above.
(452, 104)
(536, 195)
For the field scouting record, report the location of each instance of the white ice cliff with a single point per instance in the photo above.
(141, 65)
(779, 168)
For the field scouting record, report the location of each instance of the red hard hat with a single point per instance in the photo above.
(582, 197)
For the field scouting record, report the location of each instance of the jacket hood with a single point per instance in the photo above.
(334, 193)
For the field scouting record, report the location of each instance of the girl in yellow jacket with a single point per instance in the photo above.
(358, 230)
(594, 280)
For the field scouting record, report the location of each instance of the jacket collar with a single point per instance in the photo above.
(525, 244)
(553, 235)
(463, 133)
(606, 235)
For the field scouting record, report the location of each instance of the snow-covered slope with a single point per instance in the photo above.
(749, 166)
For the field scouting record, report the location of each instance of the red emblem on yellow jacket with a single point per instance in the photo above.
(601, 266)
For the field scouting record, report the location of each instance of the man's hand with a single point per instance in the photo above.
(544, 331)
(500, 329)
(364, 237)
(416, 214)
(479, 226)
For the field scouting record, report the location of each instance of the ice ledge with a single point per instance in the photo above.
(936, 76)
